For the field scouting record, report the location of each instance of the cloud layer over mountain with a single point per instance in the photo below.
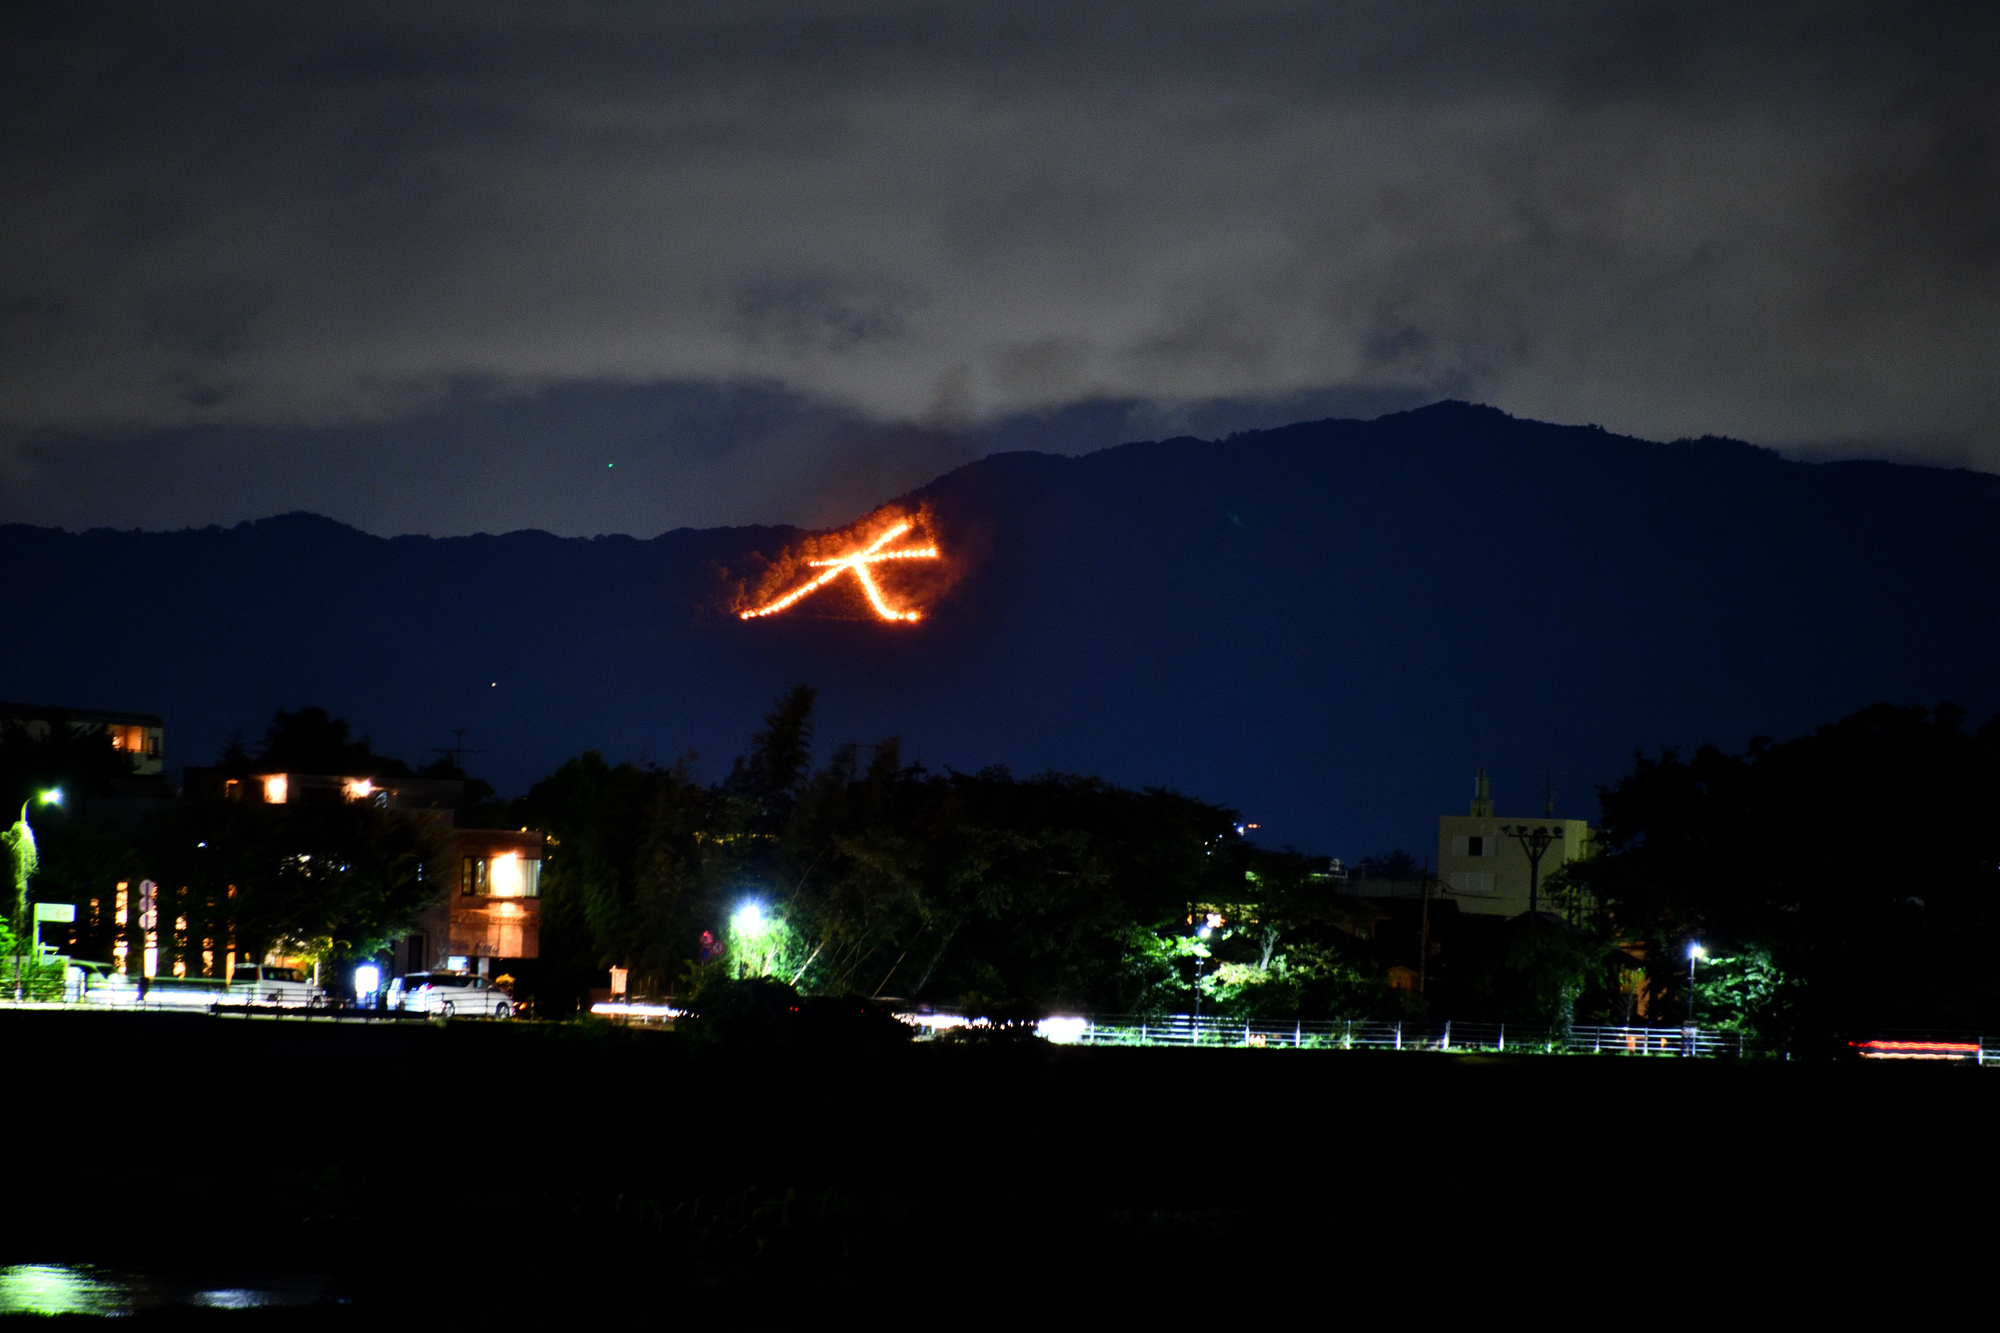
(870, 232)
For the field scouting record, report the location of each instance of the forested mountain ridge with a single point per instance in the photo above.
(1326, 625)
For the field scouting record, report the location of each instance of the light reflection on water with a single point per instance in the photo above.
(53, 1289)
(83, 1289)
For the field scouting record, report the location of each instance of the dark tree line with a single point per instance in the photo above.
(1843, 883)
(884, 878)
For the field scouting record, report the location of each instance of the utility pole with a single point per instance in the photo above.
(1535, 842)
(1424, 931)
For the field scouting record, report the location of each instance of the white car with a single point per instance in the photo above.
(449, 995)
(260, 983)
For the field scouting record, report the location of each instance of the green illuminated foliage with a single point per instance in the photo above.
(1305, 981)
(1742, 991)
(886, 878)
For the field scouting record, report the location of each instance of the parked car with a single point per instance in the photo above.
(260, 983)
(449, 995)
(98, 984)
(252, 983)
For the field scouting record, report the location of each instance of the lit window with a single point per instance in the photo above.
(516, 876)
(274, 789)
(505, 875)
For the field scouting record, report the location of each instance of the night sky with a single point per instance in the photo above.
(608, 268)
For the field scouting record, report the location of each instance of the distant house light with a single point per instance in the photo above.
(274, 789)
(360, 789)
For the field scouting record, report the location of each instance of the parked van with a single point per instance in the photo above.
(261, 983)
(449, 994)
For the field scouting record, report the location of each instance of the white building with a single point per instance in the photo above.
(1483, 864)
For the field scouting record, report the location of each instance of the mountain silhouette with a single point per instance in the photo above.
(1327, 626)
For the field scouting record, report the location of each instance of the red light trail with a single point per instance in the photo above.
(1918, 1050)
(858, 562)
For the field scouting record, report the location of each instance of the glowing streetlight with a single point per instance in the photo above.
(751, 930)
(1204, 927)
(21, 842)
(1695, 954)
(749, 921)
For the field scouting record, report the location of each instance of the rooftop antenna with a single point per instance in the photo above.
(1482, 796)
(1549, 776)
(457, 752)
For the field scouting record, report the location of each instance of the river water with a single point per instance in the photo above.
(85, 1289)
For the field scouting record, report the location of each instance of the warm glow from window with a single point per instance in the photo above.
(504, 878)
(274, 789)
(360, 789)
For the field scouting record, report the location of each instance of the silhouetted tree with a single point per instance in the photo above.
(311, 741)
(1864, 860)
(335, 882)
(889, 879)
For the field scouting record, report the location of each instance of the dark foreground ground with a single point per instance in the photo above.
(504, 1175)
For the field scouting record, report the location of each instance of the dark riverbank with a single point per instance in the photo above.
(495, 1168)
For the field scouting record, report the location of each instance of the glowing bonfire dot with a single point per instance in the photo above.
(858, 562)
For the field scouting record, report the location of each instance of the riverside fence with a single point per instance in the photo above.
(1447, 1035)
(1408, 1035)
(1182, 1030)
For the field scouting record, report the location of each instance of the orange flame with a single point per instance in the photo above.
(857, 561)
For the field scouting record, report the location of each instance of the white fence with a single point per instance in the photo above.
(1443, 1035)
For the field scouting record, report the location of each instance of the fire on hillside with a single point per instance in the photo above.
(884, 541)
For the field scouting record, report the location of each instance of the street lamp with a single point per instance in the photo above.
(21, 842)
(1695, 954)
(1201, 932)
(747, 925)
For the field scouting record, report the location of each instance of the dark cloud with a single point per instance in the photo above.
(577, 460)
(255, 252)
